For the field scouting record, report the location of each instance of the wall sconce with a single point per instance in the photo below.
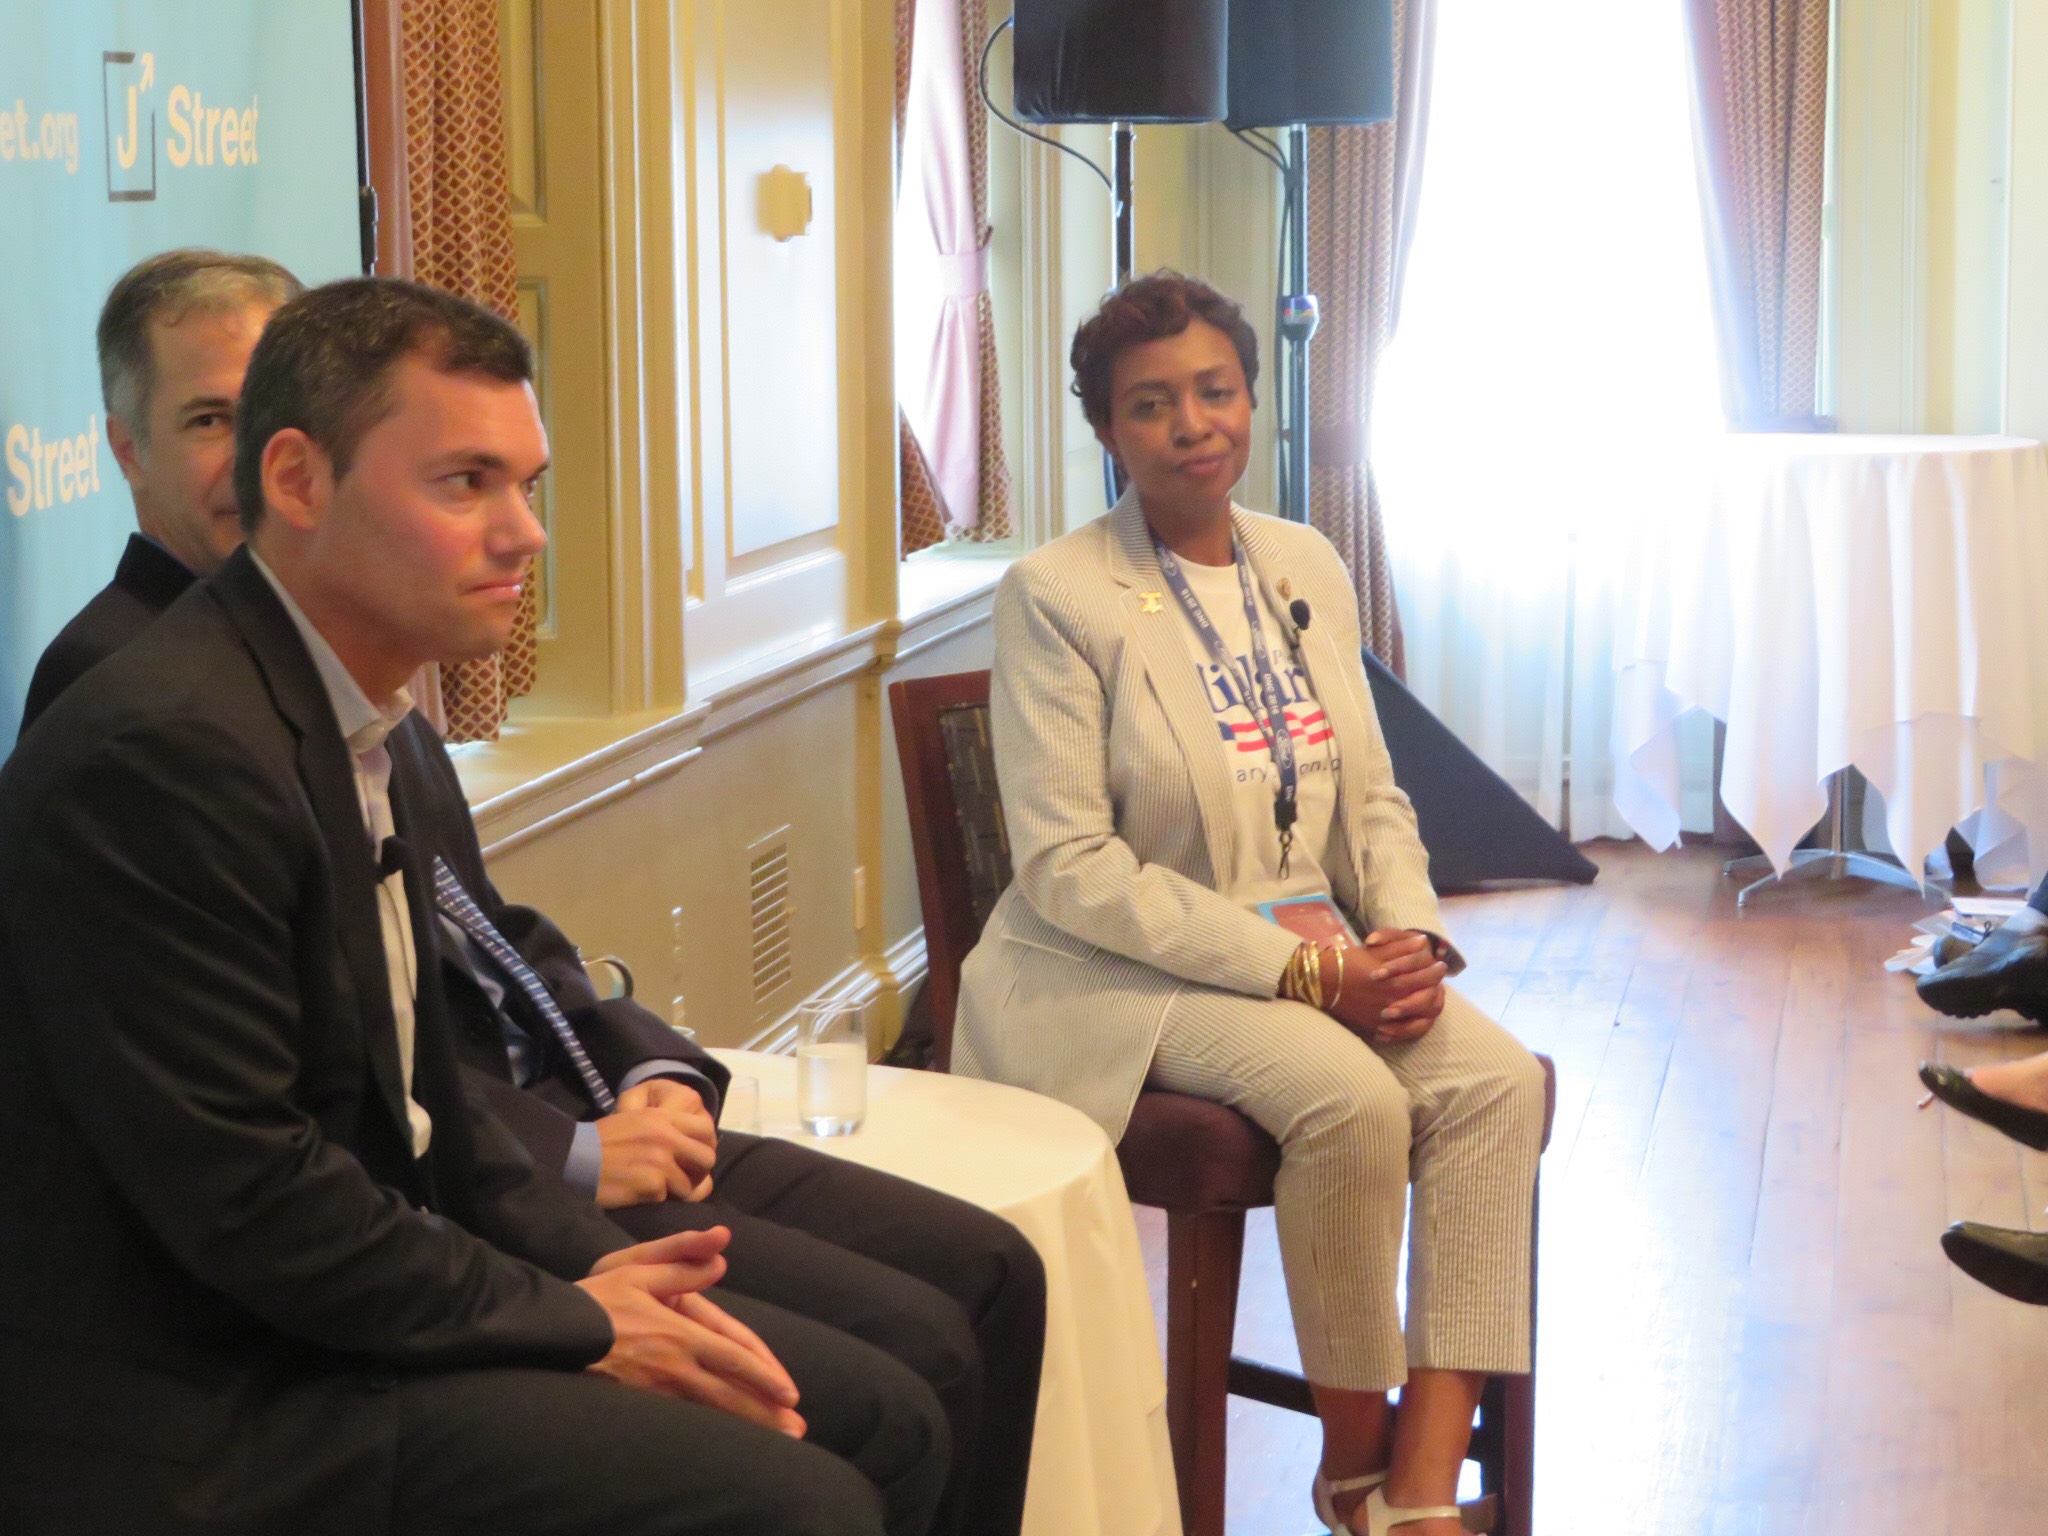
(783, 202)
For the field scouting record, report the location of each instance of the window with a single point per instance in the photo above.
(1553, 370)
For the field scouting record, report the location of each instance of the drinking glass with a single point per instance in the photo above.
(831, 1067)
(742, 1110)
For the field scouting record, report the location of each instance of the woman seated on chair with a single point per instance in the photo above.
(1219, 891)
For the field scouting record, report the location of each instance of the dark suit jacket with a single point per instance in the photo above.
(618, 1033)
(146, 582)
(214, 1238)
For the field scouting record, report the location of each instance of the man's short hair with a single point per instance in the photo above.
(1151, 308)
(325, 362)
(165, 288)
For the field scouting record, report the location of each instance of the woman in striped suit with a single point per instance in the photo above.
(1189, 758)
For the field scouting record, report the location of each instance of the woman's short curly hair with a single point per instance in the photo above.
(1148, 308)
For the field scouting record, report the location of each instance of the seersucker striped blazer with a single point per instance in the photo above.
(1117, 800)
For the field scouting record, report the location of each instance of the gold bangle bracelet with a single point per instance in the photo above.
(1293, 985)
(1304, 973)
(1302, 981)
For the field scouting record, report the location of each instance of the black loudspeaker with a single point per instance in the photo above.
(1473, 824)
(1310, 61)
(1121, 61)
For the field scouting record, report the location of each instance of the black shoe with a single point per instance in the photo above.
(2008, 970)
(2013, 1264)
(1953, 1088)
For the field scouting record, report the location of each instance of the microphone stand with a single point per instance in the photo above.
(1296, 323)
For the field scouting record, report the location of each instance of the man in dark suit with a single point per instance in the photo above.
(266, 1266)
(174, 341)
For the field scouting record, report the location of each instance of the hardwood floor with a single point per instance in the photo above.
(1747, 1326)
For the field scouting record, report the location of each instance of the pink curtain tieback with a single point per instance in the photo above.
(964, 274)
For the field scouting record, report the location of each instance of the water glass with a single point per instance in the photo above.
(742, 1110)
(831, 1067)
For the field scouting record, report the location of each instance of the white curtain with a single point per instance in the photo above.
(1554, 381)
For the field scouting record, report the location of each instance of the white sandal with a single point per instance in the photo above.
(1326, 1492)
(1381, 1517)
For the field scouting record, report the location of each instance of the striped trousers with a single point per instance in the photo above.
(1457, 1114)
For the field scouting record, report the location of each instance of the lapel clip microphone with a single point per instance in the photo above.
(391, 857)
(1298, 611)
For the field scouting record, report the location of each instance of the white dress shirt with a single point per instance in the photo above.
(364, 726)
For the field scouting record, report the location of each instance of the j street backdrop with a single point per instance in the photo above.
(127, 127)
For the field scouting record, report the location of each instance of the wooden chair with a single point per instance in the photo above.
(1204, 1164)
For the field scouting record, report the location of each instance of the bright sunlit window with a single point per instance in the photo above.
(1553, 377)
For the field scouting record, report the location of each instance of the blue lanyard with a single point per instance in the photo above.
(1262, 692)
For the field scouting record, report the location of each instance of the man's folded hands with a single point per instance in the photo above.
(659, 1144)
(668, 1338)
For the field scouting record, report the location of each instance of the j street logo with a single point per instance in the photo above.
(124, 83)
(196, 132)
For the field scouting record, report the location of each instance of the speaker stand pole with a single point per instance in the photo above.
(1123, 246)
(1123, 154)
(1297, 323)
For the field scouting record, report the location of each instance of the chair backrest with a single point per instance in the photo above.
(956, 827)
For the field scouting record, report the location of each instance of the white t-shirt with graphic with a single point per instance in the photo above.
(1254, 781)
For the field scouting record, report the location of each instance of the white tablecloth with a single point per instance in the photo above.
(1858, 600)
(1101, 1463)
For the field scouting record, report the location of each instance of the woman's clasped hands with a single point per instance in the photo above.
(1392, 985)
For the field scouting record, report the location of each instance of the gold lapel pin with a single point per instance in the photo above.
(1152, 603)
(1286, 587)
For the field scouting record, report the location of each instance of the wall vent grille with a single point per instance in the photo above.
(768, 898)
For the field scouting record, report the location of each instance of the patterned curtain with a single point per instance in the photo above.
(1760, 89)
(437, 151)
(924, 524)
(955, 481)
(992, 516)
(1363, 183)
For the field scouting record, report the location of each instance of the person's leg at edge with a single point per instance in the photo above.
(2023, 1082)
(2009, 969)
